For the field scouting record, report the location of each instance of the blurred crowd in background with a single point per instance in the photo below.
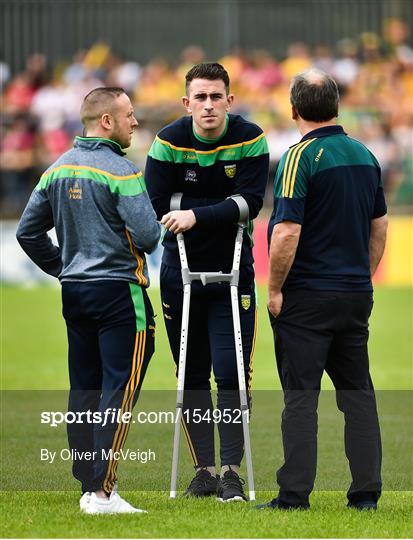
(40, 106)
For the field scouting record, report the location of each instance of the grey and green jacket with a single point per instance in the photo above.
(97, 201)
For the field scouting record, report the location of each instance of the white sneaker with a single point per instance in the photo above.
(84, 500)
(114, 505)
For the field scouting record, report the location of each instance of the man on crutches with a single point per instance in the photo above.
(219, 162)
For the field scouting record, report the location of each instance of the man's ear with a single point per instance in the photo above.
(230, 101)
(294, 113)
(106, 121)
(185, 102)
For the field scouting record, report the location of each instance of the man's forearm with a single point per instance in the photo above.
(377, 242)
(284, 242)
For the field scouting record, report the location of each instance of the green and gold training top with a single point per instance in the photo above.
(207, 172)
(331, 185)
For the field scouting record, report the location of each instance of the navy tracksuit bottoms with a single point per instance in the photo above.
(110, 332)
(211, 345)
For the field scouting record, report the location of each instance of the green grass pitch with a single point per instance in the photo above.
(38, 500)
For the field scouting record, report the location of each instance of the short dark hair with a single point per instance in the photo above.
(314, 95)
(99, 101)
(212, 71)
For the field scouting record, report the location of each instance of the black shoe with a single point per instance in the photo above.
(230, 487)
(363, 505)
(202, 485)
(276, 504)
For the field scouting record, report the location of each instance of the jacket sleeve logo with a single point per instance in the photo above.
(230, 170)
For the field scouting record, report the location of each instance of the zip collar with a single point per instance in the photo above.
(93, 143)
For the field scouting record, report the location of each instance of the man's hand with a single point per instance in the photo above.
(275, 302)
(179, 221)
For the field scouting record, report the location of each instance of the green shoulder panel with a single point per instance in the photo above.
(129, 185)
(257, 147)
(161, 150)
(311, 156)
(340, 151)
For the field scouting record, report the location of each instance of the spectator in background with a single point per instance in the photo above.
(346, 66)
(77, 70)
(323, 59)
(22, 88)
(123, 73)
(298, 59)
(4, 72)
(159, 87)
(73, 95)
(48, 105)
(236, 63)
(17, 164)
(19, 94)
(190, 56)
(396, 33)
(372, 73)
(262, 73)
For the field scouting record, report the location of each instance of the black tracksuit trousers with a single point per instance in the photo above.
(317, 331)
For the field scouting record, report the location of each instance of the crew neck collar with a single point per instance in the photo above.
(215, 139)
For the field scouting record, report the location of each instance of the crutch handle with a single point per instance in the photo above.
(175, 203)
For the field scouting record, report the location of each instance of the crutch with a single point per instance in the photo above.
(212, 277)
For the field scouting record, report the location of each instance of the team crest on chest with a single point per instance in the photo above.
(245, 301)
(75, 191)
(190, 176)
(230, 170)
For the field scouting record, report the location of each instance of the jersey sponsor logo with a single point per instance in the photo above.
(230, 170)
(189, 156)
(246, 301)
(319, 154)
(75, 191)
(190, 176)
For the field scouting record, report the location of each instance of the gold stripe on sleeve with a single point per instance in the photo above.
(294, 173)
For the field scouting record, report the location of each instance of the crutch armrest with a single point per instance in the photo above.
(243, 208)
